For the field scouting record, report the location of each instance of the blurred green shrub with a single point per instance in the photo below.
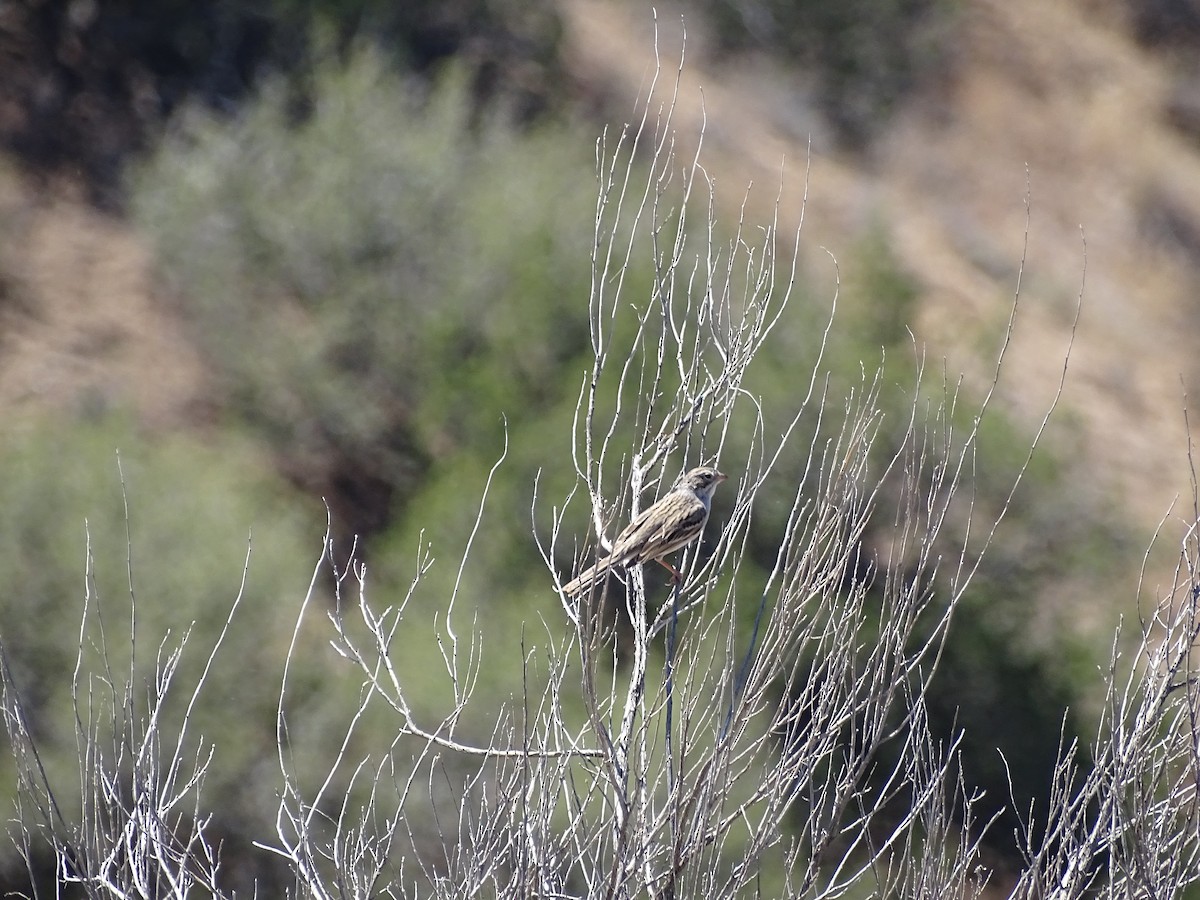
(194, 513)
(1016, 676)
(376, 284)
(93, 81)
(864, 55)
(1016, 660)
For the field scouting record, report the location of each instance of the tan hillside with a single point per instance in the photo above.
(1056, 102)
(82, 327)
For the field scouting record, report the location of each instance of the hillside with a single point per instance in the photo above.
(1056, 104)
(1054, 157)
(82, 326)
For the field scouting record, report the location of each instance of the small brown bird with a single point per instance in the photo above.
(674, 521)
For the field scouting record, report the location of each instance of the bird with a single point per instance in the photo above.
(672, 522)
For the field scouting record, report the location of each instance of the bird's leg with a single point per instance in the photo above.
(676, 576)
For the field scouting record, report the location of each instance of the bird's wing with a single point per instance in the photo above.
(653, 531)
(658, 530)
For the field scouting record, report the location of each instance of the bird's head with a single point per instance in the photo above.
(703, 480)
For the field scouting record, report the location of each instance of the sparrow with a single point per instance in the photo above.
(672, 522)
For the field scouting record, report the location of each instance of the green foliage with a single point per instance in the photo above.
(131, 65)
(882, 297)
(1012, 656)
(1010, 680)
(379, 282)
(376, 285)
(509, 47)
(865, 55)
(195, 514)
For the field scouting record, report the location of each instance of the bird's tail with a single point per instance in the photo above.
(582, 583)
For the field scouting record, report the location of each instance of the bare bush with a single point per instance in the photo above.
(707, 758)
(141, 829)
(750, 737)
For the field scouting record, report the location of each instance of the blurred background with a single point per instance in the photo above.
(281, 252)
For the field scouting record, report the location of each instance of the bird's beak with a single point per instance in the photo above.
(722, 477)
